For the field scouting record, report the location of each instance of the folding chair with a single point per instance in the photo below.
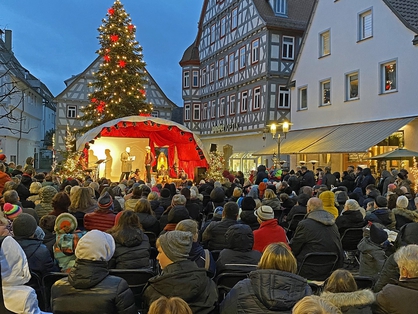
(226, 281)
(47, 282)
(35, 282)
(364, 282)
(349, 240)
(323, 263)
(293, 224)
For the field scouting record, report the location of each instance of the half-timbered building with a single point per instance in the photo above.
(75, 96)
(234, 75)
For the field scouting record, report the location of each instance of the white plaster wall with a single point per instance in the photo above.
(391, 39)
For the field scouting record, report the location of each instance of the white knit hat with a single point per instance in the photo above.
(95, 245)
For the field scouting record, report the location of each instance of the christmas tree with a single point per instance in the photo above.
(71, 165)
(216, 166)
(119, 86)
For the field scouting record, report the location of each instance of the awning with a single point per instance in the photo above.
(347, 138)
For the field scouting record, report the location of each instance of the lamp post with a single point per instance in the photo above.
(276, 134)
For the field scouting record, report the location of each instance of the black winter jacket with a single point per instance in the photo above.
(380, 215)
(316, 233)
(89, 289)
(248, 218)
(149, 222)
(131, 253)
(214, 234)
(185, 280)
(350, 219)
(266, 291)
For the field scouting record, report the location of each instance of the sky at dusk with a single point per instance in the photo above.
(57, 39)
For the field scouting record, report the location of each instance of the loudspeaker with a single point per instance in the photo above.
(199, 174)
(213, 147)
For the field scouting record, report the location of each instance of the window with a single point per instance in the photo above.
(221, 68)
(195, 78)
(365, 25)
(223, 26)
(232, 105)
(324, 39)
(212, 73)
(155, 113)
(351, 86)
(205, 111)
(242, 58)
(203, 77)
(222, 107)
(231, 62)
(284, 97)
(212, 109)
(256, 98)
(288, 48)
(71, 111)
(212, 34)
(186, 112)
(244, 101)
(389, 77)
(281, 7)
(255, 51)
(196, 112)
(325, 93)
(234, 19)
(186, 79)
(303, 98)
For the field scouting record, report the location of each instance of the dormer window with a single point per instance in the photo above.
(280, 7)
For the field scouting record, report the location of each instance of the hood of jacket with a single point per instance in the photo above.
(278, 290)
(385, 174)
(134, 238)
(367, 245)
(86, 274)
(408, 234)
(184, 277)
(358, 298)
(47, 193)
(14, 265)
(146, 220)
(240, 237)
(409, 214)
(321, 216)
(217, 195)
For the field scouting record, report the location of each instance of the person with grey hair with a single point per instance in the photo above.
(351, 217)
(401, 215)
(403, 296)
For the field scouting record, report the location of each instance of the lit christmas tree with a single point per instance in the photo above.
(216, 166)
(119, 87)
(71, 165)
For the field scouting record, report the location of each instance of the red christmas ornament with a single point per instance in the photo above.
(111, 11)
(131, 27)
(100, 108)
(102, 103)
(93, 100)
(142, 91)
(114, 38)
(122, 63)
(106, 58)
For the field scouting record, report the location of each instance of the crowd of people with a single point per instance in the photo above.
(262, 226)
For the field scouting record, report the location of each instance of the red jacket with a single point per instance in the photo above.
(4, 177)
(100, 220)
(269, 232)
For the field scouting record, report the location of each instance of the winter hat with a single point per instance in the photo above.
(381, 201)
(47, 222)
(11, 211)
(392, 187)
(176, 244)
(65, 223)
(217, 213)
(105, 201)
(2, 156)
(118, 217)
(264, 212)
(165, 193)
(377, 234)
(402, 202)
(47, 193)
(35, 187)
(328, 201)
(95, 245)
(177, 214)
(39, 233)
(248, 203)
(24, 225)
(265, 180)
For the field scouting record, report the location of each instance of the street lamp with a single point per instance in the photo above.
(276, 134)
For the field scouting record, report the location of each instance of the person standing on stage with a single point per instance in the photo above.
(126, 168)
(108, 164)
(149, 160)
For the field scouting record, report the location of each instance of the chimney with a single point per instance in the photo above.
(8, 39)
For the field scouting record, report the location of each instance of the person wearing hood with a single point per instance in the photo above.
(273, 287)
(132, 245)
(341, 290)
(103, 217)
(202, 257)
(316, 233)
(328, 201)
(180, 276)
(380, 213)
(89, 288)
(408, 234)
(46, 194)
(401, 297)
(38, 256)
(261, 174)
(15, 274)
(247, 213)
(239, 255)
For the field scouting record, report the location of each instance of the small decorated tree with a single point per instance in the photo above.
(71, 165)
(119, 87)
(216, 166)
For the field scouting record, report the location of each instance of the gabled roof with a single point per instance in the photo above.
(406, 11)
